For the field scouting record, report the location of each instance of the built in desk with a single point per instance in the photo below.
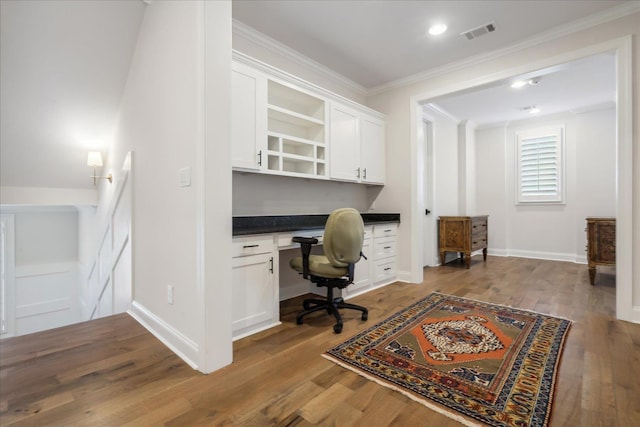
(261, 279)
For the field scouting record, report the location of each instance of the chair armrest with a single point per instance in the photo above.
(305, 246)
(305, 240)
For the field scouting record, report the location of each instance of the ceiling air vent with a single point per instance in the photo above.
(474, 33)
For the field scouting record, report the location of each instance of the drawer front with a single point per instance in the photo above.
(385, 248)
(478, 242)
(385, 270)
(368, 232)
(479, 227)
(251, 245)
(385, 230)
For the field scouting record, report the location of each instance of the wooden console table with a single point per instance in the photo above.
(601, 244)
(463, 234)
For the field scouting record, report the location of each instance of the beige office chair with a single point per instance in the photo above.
(343, 237)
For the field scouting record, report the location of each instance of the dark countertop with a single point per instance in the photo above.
(243, 225)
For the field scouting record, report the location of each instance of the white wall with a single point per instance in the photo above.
(258, 194)
(595, 170)
(467, 168)
(445, 153)
(46, 267)
(548, 231)
(491, 185)
(174, 114)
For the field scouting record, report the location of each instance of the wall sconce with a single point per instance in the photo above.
(94, 159)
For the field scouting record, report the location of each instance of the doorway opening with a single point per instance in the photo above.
(621, 48)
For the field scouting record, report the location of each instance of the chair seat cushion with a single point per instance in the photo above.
(319, 266)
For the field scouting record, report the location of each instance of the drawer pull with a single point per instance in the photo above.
(387, 247)
(387, 269)
(388, 231)
(250, 246)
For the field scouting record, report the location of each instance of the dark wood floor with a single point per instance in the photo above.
(112, 372)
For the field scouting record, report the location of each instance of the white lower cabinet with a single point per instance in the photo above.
(255, 304)
(362, 273)
(384, 241)
(255, 276)
(380, 269)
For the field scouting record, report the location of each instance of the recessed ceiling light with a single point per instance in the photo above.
(437, 29)
(518, 83)
(534, 110)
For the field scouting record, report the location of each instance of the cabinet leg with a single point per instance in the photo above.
(484, 254)
(442, 257)
(592, 275)
(467, 259)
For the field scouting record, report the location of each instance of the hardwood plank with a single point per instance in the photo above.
(113, 372)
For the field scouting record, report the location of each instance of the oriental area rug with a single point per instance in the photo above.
(475, 362)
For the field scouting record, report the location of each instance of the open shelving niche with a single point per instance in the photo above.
(296, 132)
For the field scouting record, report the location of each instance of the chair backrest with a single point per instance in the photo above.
(343, 237)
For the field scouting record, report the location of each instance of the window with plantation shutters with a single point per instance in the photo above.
(540, 165)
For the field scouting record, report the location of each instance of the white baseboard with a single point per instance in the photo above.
(404, 276)
(186, 349)
(551, 256)
(635, 314)
(497, 252)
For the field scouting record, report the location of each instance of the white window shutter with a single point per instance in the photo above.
(540, 167)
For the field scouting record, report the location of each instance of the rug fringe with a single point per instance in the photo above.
(463, 420)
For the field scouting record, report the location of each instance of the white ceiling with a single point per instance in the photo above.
(585, 84)
(63, 64)
(376, 42)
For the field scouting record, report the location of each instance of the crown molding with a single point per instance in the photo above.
(280, 49)
(283, 76)
(435, 108)
(605, 16)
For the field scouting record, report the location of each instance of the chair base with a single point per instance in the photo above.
(331, 305)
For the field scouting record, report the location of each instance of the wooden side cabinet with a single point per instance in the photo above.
(463, 234)
(601, 244)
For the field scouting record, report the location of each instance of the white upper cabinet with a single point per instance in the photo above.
(282, 125)
(372, 150)
(357, 146)
(296, 131)
(248, 118)
(345, 150)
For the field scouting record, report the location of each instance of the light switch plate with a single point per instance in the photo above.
(185, 177)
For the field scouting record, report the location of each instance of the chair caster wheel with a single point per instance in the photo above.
(365, 316)
(298, 321)
(337, 328)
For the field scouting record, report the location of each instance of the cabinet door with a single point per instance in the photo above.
(372, 139)
(345, 149)
(362, 273)
(253, 291)
(248, 118)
